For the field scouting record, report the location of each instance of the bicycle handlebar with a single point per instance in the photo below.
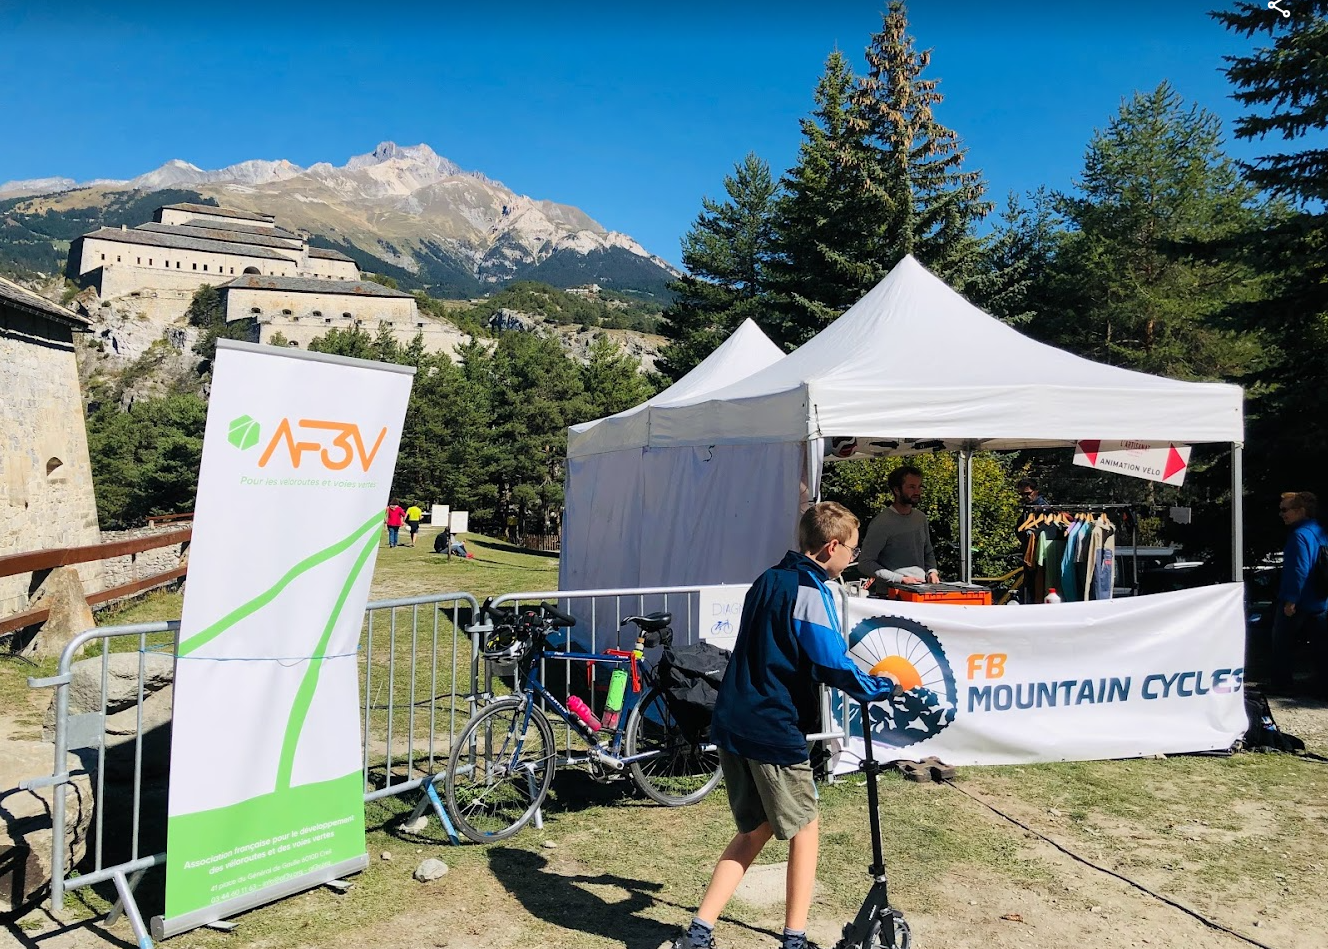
(560, 619)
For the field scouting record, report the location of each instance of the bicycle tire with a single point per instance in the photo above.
(684, 771)
(492, 770)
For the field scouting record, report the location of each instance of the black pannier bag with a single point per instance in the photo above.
(690, 677)
(1263, 733)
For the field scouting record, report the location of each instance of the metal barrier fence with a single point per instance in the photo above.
(405, 732)
(407, 728)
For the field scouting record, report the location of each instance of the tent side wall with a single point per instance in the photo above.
(679, 516)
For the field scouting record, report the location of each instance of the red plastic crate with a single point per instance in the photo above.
(936, 593)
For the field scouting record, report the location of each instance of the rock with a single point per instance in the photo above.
(549, 844)
(121, 680)
(62, 593)
(430, 870)
(385, 855)
(25, 821)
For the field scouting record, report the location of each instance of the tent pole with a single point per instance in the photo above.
(1237, 512)
(966, 515)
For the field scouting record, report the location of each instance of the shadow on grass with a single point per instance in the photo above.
(85, 931)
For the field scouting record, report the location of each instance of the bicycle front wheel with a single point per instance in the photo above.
(500, 770)
(678, 770)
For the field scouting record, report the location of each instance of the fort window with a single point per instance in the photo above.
(251, 270)
(53, 465)
(348, 316)
(195, 266)
(295, 343)
(177, 265)
(149, 261)
(232, 270)
(317, 313)
(138, 260)
(103, 256)
(117, 258)
(327, 319)
(419, 326)
(285, 312)
(255, 310)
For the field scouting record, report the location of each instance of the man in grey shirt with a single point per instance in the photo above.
(898, 543)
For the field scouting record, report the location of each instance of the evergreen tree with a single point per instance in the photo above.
(1131, 290)
(612, 380)
(820, 214)
(1284, 85)
(1012, 282)
(927, 205)
(726, 254)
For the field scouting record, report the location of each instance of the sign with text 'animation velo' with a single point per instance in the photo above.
(1125, 678)
(266, 790)
(1152, 461)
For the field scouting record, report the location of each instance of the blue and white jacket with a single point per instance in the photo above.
(788, 642)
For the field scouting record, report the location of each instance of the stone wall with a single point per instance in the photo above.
(46, 494)
(144, 564)
(178, 216)
(114, 267)
(331, 269)
(323, 309)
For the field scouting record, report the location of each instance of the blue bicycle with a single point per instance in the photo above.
(502, 764)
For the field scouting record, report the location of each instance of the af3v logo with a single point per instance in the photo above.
(334, 445)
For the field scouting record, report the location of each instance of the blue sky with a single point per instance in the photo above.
(631, 112)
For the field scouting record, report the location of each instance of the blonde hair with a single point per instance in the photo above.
(824, 522)
(1304, 500)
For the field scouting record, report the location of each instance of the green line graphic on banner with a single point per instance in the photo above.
(304, 696)
(205, 636)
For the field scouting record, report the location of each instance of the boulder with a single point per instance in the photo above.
(62, 593)
(25, 821)
(430, 870)
(121, 690)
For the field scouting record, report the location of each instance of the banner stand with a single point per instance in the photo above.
(163, 928)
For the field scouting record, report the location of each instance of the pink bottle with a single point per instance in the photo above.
(582, 711)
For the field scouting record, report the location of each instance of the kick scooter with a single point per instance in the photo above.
(877, 925)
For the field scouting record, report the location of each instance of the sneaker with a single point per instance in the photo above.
(684, 941)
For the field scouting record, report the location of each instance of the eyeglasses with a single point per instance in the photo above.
(856, 550)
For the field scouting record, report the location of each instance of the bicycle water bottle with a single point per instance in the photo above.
(582, 711)
(614, 702)
(1052, 596)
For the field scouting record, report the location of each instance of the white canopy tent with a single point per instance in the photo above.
(605, 518)
(912, 366)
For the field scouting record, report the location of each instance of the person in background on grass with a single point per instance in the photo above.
(395, 516)
(1302, 608)
(413, 517)
(788, 643)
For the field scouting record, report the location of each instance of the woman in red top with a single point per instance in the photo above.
(396, 516)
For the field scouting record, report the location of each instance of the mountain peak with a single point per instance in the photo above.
(420, 154)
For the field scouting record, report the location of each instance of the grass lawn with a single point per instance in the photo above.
(1241, 839)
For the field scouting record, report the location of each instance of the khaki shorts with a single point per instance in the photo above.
(782, 795)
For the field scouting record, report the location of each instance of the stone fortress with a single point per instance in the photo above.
(264, 273)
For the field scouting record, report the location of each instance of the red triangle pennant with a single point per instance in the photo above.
(1090, 450)
(1175, 463)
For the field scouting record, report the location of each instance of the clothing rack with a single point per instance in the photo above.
(1126, 508)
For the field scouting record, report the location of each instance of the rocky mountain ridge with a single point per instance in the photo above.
(406, 211)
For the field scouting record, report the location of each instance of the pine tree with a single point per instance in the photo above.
(612, 380)
(1132, 291)
(726, 253)
(928, 205)
(812, 277)
(1284, 85)
(1012, 279)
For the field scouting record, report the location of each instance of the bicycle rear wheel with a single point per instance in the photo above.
(679, 770)
(500, 770)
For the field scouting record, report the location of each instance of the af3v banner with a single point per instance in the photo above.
(1123, 678)
(266, 791)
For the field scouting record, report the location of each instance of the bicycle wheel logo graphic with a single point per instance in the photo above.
(909, 653)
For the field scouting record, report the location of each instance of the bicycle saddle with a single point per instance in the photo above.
(651, 622)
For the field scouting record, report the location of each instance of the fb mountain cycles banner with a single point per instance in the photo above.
(266, 792)
(1122, 678)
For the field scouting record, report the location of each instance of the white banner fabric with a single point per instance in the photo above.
(266, 785)
(1124, 678)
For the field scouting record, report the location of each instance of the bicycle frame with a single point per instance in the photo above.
(534, 688)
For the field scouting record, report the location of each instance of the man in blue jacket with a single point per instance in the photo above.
(1302, 606)
(789, 642)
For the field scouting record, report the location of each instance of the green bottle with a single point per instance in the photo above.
(617, 688)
